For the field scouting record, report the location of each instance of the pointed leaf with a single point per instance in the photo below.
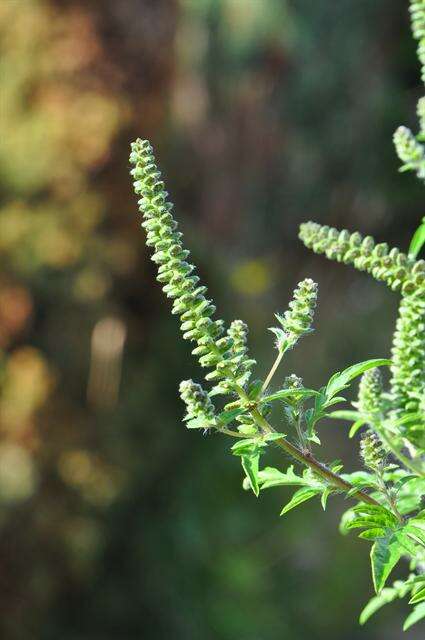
(384, 555)
(225, 417)
(250, 466)
(298, 498)
(341, 379)
(418, 597)
(344, 415)
(417, 614)
(375, 603)
(198, 423)
(288, 393)
(418, 240)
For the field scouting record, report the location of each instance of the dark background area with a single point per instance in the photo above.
(116, 522)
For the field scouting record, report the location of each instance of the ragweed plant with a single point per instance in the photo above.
(388, 491)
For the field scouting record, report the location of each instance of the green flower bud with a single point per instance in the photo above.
(296, 321)
(179, 281)
(370, 392)
(197, 401)
(372, 451)
(393, 267)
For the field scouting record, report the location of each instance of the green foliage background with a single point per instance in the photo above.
(115, 521)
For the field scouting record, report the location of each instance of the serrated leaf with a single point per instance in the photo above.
(417, 614)
(418, 240)
(298, 498)
(384, 555)
(271, 477)
(341, 379)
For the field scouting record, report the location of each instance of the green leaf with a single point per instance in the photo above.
(418, 597)
(198, 423)
(298, 498)
(417, 614)
(271, 477)
(250, 466)
(386, 596)
(340, 380)
(288, 393)
(372, 534)
(418, 240)
(324, 497)
(254, 389)
(384, 555)
(225, 417)
(247, 446)
(355, 427)
(416, 530)
(281, 338)
(344, 415)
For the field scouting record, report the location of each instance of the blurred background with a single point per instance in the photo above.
(116, 523)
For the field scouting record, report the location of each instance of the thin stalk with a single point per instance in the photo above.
(272, 371)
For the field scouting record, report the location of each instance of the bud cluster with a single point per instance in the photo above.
(417, 16)
(179, 280)
(297, 320)
(389, 265)
(372, 451)
(370, 392)
(197, 401)
(408, 354)
(410, 151)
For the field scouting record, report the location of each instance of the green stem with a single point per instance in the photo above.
(311, 462)
(272, 371)
(305, 458)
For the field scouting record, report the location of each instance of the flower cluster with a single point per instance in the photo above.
(296, 321)
(408, 354)
(417, 15)
(388, 265)
(293, 382)
(409, 150)
(408, 147)
(225, 354)
(372, 451)
(198, 403)
(370, 392)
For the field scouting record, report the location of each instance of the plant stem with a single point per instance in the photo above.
(272, 372)
(311, 462)
(304, 458)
